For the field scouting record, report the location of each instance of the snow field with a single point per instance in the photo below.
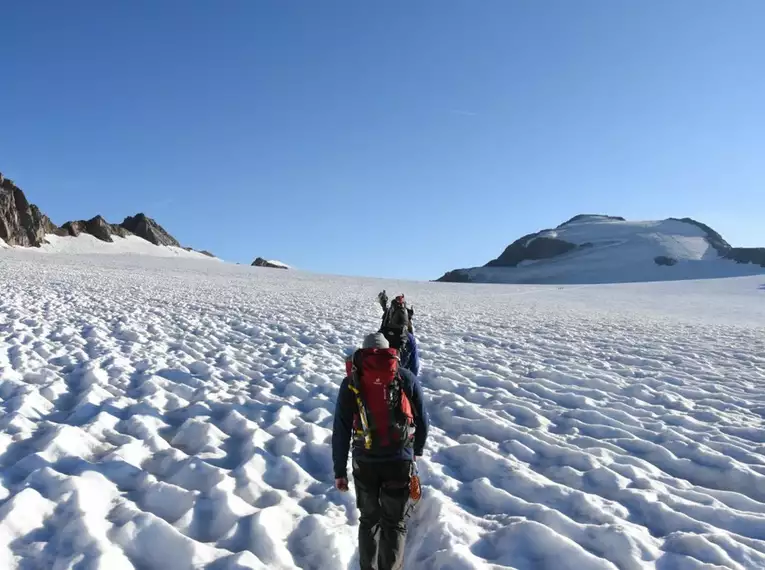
(177, 414)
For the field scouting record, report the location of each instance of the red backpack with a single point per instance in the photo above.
(384, 422)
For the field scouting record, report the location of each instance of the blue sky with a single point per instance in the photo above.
(397, 138)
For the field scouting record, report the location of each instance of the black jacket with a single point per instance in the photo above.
(343, 426)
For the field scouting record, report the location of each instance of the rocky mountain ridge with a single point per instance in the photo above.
(23, 224)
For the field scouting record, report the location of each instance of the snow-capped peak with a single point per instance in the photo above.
(607, 249)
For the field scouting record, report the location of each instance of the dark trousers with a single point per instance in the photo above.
(382, 495)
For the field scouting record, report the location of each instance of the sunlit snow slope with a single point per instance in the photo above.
(175, 414)
(621, 251)
(86, 244)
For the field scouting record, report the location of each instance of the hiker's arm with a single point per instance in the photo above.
(342, 429)
(421, 422)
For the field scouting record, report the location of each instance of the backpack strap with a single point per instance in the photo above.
(355, 385)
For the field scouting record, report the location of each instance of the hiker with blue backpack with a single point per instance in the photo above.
(380, 411)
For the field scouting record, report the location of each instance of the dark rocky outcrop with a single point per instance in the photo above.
(260, 262)
(664, 260)
(42, 221)
(118, 230)
(143, 226)
(21, 223)
(747, 255)
(74, 228)
(97, 227)
(531, 247)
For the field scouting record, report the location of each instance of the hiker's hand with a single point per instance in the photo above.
(341, 484)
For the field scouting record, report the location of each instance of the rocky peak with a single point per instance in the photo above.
(143, 226)
(21, 223)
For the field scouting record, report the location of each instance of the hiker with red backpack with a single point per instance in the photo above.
(398, 329)
(381, 410)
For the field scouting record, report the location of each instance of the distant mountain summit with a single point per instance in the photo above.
(23, 224)
(593, 248)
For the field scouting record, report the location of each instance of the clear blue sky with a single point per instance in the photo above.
(397, 138)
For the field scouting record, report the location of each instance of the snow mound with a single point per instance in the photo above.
(279, 264)
(176, 414)
(603, 249)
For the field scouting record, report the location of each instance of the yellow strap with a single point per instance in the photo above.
(363, 416)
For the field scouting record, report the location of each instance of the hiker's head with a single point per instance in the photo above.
(376, 340)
